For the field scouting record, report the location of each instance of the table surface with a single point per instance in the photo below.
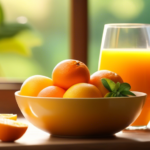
(36, 139)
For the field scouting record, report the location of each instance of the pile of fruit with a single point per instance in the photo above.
(71, 79)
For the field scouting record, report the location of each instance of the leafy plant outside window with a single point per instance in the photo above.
(16, 37)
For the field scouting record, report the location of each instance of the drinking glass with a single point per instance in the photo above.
(125, 49)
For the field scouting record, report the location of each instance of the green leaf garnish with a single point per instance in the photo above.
(127, 93)
(117, 86)
(109, 94)
(108, 84)
(124, 87)
(116, 89)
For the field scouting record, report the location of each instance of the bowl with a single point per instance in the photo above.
(81, 116)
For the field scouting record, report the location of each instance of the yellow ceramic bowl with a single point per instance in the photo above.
(81, 116)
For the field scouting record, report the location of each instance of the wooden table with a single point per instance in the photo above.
(36, 139)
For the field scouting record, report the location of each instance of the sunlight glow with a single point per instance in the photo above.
(126, 9)
(22, 20)
(36, 10)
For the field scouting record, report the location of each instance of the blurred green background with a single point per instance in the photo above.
(51, 20)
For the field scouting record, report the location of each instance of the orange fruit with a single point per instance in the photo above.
(8, 116)
(52, 91)
(82, 90)
(11, 130)
(96, 77)
(70, 72)
(34, 84)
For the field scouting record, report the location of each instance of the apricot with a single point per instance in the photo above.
(69, 72)
(52, 91)
(96, 77)
(82, 90)
(34, 84)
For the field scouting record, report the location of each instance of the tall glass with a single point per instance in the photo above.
(125, 49)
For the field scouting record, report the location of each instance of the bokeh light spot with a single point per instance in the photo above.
(126, 9)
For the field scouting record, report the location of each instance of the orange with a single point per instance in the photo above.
(69, 72)
(52, 91)
(11, 130)
(82, 90)
(96, 77)
(34, 84)
(8, 116)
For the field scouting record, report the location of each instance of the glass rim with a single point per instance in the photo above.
(126, 25)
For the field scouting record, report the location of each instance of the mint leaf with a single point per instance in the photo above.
(108, 84)
(120, 95)
(109, 94)
(116, 89)
(114, 95)
(124, 87)
(117, 86)
(126, 93)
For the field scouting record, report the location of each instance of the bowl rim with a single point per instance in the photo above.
(140, 94)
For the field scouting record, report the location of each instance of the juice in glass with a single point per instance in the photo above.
(133, 65)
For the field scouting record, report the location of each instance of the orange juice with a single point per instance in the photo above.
(133, 65)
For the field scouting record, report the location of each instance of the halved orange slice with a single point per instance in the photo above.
(8, 116)
(11, 130)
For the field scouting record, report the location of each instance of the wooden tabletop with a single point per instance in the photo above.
(36, 139)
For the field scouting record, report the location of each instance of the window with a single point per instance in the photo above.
(50, 18)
